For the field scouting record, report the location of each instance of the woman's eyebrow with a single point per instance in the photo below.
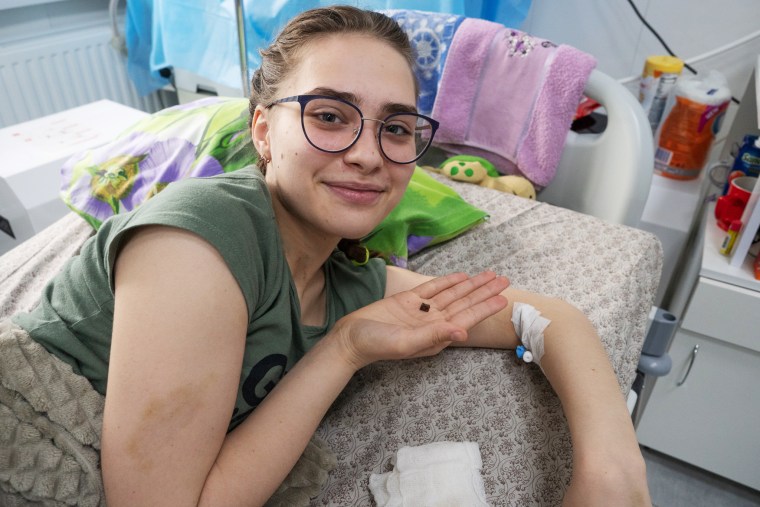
(330, 92)
(394, 107)
(388, 107)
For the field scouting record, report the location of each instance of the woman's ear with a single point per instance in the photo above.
(260, 132)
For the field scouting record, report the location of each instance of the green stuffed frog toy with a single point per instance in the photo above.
(480, 171)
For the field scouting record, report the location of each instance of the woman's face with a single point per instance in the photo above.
(346, 194)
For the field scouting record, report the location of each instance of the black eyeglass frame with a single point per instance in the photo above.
(305, 99)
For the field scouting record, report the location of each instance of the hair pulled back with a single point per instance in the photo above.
(282, 56)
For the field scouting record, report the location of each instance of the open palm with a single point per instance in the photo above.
(400, 327)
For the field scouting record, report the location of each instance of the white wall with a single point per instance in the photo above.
(610, 30)
(23, 20)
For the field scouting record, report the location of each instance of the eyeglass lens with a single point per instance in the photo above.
(333, 125)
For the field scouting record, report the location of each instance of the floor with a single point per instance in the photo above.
(673, 483)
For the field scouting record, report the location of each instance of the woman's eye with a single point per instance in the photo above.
(398, 129)
(328, 117)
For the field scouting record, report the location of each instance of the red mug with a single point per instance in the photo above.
(731, 206)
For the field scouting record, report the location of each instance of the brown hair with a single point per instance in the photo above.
(283, 54)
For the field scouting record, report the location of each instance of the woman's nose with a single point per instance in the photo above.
(366, 150)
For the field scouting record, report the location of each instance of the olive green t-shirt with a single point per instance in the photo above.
(233, 212)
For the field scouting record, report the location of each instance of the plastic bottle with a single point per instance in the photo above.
(692, 118)
(657, 81)
(748, 158)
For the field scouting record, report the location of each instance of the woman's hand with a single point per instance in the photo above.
(421, 321)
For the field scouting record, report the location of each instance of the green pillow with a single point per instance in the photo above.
(429, 213)
(211, 136)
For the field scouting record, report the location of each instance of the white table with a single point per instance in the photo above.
(33, 153)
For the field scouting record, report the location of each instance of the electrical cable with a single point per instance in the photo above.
(657, 35)
(704, 56)
(665, 44)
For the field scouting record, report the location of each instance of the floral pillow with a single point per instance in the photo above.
(203, 138)
(211, 136)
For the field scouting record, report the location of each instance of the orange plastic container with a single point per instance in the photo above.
(691, 120)
(686, 136)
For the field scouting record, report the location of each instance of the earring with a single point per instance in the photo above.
(267, 160)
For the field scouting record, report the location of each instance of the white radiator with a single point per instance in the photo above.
(56, 72)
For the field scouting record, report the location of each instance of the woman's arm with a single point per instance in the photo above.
(176, 353)
(179, 332)
(607, 462)
(608, 468)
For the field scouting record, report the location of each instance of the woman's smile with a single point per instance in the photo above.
(355, 192)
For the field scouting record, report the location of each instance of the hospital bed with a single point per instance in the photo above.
(575, 243)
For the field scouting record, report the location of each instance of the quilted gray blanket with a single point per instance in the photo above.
(50, 424)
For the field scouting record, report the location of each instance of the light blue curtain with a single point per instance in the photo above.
(139, 39)
(200, 36)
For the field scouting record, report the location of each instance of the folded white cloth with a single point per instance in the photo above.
(440, 474)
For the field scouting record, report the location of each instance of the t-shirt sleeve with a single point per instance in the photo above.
(233, 213)
(355, 286)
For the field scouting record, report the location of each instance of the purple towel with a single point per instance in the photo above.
(509, 97)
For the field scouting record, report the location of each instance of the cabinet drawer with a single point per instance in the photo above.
(725, 312)
(706, 410)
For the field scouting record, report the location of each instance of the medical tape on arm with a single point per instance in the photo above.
(529, 326)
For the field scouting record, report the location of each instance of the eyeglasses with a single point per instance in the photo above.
(333, 125)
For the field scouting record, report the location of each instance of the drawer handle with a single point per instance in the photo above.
(691, 363)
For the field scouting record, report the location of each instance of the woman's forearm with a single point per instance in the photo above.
(576, 364)
(608, 468)
(257, 455)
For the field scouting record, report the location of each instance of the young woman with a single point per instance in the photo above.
(187, 312)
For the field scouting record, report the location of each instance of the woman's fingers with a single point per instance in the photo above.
(469, 316)
(433, 287)
(461, 289)
(479, 293)
(465, 301)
